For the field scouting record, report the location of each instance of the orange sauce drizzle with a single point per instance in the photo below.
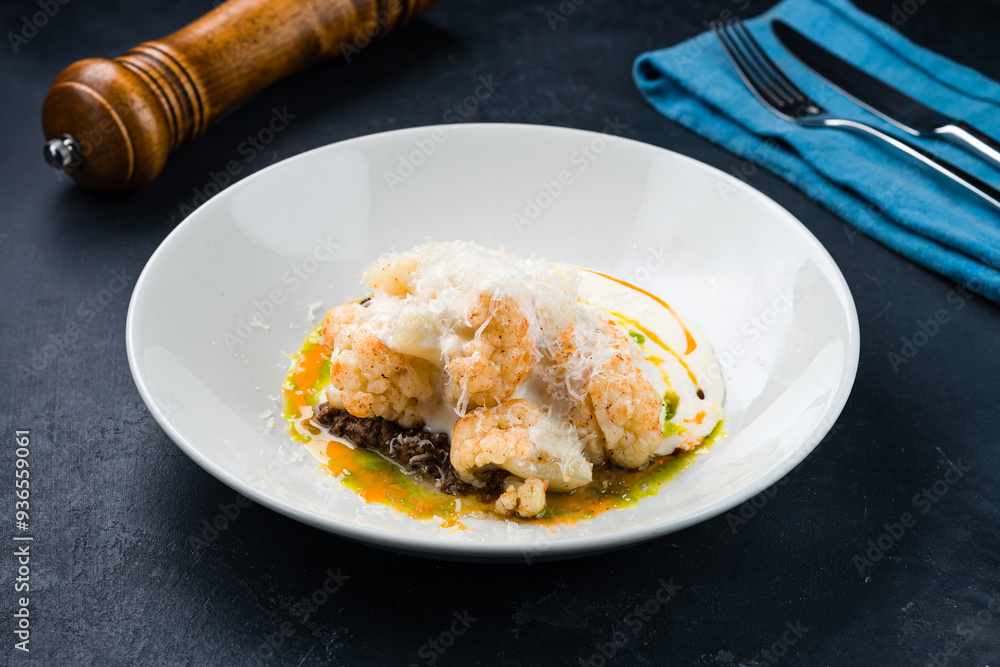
(656, 339)
(691, 343)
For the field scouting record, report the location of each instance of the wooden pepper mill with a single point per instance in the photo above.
(112, 124)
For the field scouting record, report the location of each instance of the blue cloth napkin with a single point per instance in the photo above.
(884, 194)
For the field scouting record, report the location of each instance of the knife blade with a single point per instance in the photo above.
(883, 100)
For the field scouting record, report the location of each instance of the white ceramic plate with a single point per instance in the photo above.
(230, 289)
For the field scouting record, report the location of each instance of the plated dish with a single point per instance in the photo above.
(501, 387)
(251, 273)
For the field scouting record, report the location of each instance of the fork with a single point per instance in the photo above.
(770, 85)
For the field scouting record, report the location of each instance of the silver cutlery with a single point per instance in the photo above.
(883, 100)
(770, 85)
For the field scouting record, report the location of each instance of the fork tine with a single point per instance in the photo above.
(760, 87)
(751, 52)
(797, 96)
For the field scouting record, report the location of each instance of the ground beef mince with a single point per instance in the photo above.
(413, 448)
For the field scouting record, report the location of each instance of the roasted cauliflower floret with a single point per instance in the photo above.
(496, 360)
(373, 380)
(528, 499)
(333, 398)
(618, 412)
(393, 276)
(628, 411)
(492, 437)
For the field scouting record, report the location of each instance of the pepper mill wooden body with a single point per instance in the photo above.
(112, 124)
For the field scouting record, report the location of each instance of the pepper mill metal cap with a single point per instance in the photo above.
(63, 153)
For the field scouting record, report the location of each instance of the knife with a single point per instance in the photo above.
(883, 100)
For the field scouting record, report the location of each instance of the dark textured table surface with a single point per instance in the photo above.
(114, 579)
